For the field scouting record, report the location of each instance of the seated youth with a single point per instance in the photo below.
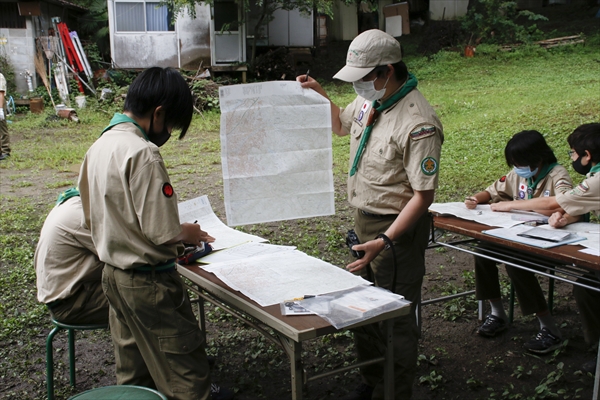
(67, 267)
(535, 174)
(574, 204)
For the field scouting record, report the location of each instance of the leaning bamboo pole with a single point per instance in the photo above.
(40, 67)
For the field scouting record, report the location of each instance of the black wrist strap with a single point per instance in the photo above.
(388, 242)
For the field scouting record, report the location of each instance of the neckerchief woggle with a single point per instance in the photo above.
(531, 184)
(410, 84)
(119, 118)
(66, 195)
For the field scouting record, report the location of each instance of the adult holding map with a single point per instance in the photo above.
(395, 146)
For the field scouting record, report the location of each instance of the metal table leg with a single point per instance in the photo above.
(294, 352)
(388, 373)
(597, 377)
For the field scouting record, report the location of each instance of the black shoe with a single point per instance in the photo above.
(220, 393)
(492, 326)
(590, 367)
(544, 342)
(362, 392)
(4, 156)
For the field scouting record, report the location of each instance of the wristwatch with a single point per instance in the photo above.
(386, 240)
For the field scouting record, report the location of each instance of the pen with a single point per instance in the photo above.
(471, 199)
(308, 296)
(306, 77)
(196, 221)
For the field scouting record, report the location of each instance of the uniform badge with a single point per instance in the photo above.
(503, 179)
(522, 190)
(429, 166)
(167, 189)
(363, 111)
(580, 189)
(546, 193)
(563, 185)
(422, 132)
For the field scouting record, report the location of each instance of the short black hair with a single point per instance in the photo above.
(586, 137)
(400, 71)
(162, 87)
(528, 148)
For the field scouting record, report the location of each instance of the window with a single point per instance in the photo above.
(142, 17)
(9, 17)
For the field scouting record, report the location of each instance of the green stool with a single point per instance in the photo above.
(120, 392)
(58, 326)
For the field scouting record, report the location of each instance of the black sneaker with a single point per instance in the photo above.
(492, 326)
(544, 342)
(4, 156)
(220, 393)
(362, 392)
(590, 367)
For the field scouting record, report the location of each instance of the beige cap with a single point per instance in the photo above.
(368, 50)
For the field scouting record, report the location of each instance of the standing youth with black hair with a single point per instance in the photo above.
(131, 210)
(535, 173)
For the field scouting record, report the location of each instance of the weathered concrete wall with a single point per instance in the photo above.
(187, 45)
(194, 38)
(20, 49)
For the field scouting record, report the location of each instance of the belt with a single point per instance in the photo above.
(168, 266)
(368, 214)
(53, 304)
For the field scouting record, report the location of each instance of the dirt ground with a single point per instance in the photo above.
(454, 362)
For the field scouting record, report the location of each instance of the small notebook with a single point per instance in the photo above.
(546, 234)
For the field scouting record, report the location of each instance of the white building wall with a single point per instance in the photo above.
(187, 45)
(20, 50)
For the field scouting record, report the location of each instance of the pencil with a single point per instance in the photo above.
(306, 77)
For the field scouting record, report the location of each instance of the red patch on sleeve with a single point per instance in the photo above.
(167, 189)
(503, 179)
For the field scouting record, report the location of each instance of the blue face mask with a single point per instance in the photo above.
(525, 172)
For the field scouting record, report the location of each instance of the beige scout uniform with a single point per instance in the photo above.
(131, 208)
(513, 187)
(401, 155)
(4, 138)
(585, 198)
(68, 270)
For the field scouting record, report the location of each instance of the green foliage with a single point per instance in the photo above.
(8, 71)
(206, 94)
(434, 380)
(499, 21)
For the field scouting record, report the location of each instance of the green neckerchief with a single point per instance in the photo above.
(119, 118)
(531, 184)
(410, 84)
(595, 168)
(66, 195)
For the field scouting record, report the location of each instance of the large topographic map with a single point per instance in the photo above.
(275, 152)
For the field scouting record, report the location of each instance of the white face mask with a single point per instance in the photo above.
(367, 89)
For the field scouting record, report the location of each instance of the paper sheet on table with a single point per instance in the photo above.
(275, 152)
(589, 230)
(354, 305)
(199, 209)
(513, 235)
(482, 214)
(243, 251)
(273, 278)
